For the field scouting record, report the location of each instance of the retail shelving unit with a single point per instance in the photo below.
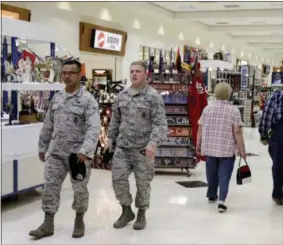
(21, 168)
(178, 151)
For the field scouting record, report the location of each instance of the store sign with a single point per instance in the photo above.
(179, 131)
(176, 109)
(174, 120)
(174, 152)
(107, 40)
(175, 162)
(244, 76)
(170, 87)
(178, 141)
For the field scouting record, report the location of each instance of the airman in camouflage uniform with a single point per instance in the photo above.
(138, 126)
(72, 125)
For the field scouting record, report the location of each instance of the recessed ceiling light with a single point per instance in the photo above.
(223, 47)
(136, 24)
(242, 53)
(197, 41)
(105, 14)
(161, 31)
(211, 45)
(181, 36)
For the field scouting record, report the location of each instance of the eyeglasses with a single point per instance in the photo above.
(71, 73)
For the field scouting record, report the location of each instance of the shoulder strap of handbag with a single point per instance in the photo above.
(240, 162)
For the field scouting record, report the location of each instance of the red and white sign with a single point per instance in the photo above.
(108, 41)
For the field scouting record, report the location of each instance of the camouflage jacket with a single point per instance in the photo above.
(71, 125)
(138, 119)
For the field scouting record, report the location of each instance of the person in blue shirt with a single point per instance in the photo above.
(271, 131)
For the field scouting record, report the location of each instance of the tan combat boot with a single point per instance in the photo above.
(79, 227)
(141, 220)
(126, 217)
(46, 229)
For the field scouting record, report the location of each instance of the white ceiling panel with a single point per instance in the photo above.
(211, 6)
(260, 21)
(252, 24)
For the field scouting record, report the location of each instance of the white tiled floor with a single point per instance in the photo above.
(177, 216)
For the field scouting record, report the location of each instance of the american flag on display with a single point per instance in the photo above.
(179, 61)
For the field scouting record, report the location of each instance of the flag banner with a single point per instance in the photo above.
(178, 61)
(186, 66)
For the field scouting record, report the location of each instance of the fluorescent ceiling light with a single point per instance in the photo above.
(161, 31)
(181, 36)
(197, 41)
(136, 24)
(105, 14)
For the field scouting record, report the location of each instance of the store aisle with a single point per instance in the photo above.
(177, 216)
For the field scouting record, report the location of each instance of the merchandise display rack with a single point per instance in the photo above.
(178, 151)
(172, 82)
(20, 163)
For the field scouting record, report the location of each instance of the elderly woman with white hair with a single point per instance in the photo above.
(220, 140)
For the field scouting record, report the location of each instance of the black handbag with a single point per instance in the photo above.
(244, 174)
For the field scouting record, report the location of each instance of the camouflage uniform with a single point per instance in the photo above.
(138, 119)
(72, 125)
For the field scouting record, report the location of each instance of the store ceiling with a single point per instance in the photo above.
(258, 25)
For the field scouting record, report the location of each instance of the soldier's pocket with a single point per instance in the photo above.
(142, 115)
(77, 115)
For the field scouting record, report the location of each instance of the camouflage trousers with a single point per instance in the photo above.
(124, 162)
(55, 172)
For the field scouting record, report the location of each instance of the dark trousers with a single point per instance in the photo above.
(276, 153)
(218, 172)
